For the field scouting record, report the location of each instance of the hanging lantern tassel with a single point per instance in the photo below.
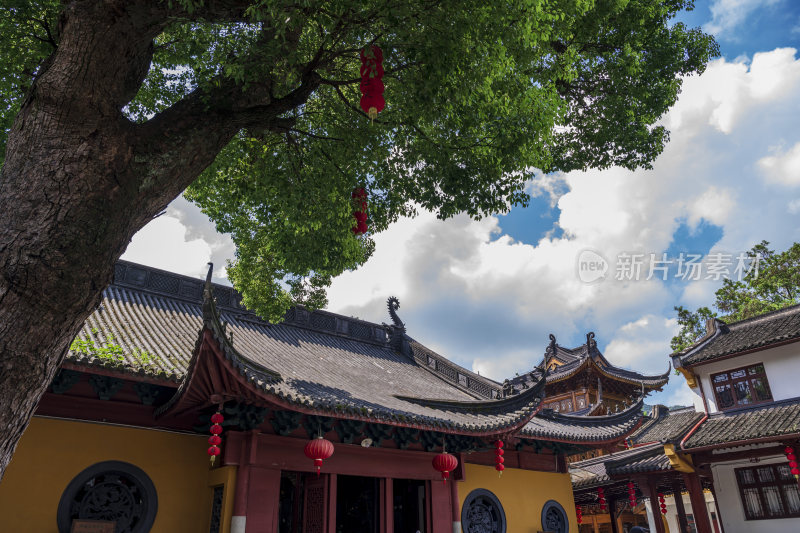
(601, 499)
(319, 449)
(632, 494)
(215, 440)
(663, 503)
(579, 514)
(359, 196)
(445, 463)
(792, 458)
(498, 457)
(371, 87)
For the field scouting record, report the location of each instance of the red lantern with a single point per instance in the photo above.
(318, 449)
(579, 513)
(215, 440)
(632, 493)
(498, 457)
(601, 498)
(359, 196)
(445, 463)
(372, 87)
(792, 458)
(662, 503)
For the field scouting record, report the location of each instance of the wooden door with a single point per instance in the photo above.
(315, 504)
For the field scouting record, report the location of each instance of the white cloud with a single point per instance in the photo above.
(183, 240)
(727, 15)
(643, 344)
(783, 166)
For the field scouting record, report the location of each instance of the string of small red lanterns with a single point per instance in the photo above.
(663, 503)
(632, 494)
(318, 449)
(372, 87)
(792, 458)
(601, 498)
(498, 457)
(579, 514)
(445, 463)
(215, 440)
(359, 196)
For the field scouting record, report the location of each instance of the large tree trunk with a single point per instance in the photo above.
(80, 179)
(69, 199)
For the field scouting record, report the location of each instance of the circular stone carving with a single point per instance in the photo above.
(554, 518)
(111, 490)
(482, 513)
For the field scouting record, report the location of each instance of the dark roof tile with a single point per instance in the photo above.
(757, 332)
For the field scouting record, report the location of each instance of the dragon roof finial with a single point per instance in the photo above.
(394, 304)
(551, 348)
(590, 342)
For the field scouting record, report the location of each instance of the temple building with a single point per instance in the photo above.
(728, 464)
(179, 410)
(583, 382)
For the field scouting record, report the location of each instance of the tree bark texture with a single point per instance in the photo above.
(80, 179)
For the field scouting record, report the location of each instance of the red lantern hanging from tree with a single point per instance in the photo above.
(632, 493)
(792, 458)
(371, 86)
(359, 196)
(662, 503)
(579, 514)
(215, 440)
(319, 449)
(601, 499)
(498, 457)
(445, 463)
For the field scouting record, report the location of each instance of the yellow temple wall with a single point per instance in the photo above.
(522, 494)
(52, 452)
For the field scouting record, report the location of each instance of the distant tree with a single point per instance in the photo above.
(111, 109)
(774, 285)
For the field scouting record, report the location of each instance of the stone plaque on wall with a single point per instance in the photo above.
(93, 526)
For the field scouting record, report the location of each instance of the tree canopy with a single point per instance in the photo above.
(775, 284)
(478, 95)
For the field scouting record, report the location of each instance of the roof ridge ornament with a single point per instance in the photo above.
(591, 344)
(393, 304)
(551, 348)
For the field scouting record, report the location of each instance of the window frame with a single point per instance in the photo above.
(778, 483)
(747, 378)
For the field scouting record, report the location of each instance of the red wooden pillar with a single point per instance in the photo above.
(652, 492)
(455, 506)
(247, 456)
(612, 511)
(331, 497)
(387, 498)
(698, 499)
(263, 499)
(441, 513)
(683, 524)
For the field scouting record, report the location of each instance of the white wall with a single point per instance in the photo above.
(730, 502)
(672, 511)
(782, 365)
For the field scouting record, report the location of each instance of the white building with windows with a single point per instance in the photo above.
(746, 376)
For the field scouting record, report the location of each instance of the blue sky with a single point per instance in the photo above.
(487, 293)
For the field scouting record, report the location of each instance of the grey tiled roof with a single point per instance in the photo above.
(774, 420)
(648, 459)
(576, 360)
(757, 332)
(598, 470)
(666, 425)
(321, 361)
(575, 428)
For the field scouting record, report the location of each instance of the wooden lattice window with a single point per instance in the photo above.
(768, 492)
(743, 386)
